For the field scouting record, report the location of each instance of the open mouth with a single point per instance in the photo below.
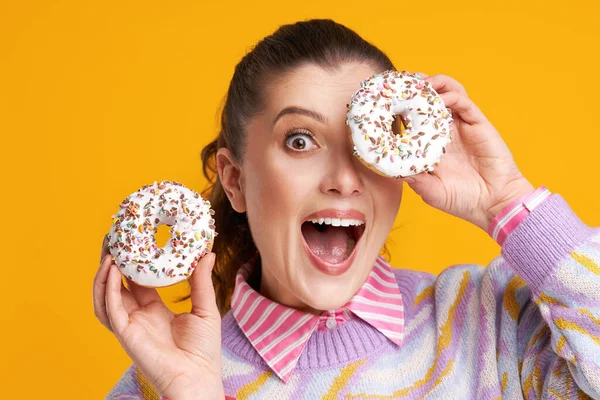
(332, 240)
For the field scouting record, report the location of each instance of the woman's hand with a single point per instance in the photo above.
(477, 177)
(180, 354)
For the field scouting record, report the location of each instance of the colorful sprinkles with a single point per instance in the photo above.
(131, 238)
(425, 118)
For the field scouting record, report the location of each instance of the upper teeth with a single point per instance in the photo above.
(337, 221)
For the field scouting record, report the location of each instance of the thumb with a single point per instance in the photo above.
(204, 303)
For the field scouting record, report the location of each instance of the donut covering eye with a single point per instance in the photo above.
(131, 238)
(426, 123)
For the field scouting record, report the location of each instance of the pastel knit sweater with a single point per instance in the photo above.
(527, 326)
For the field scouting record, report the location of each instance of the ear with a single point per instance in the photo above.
(230, 176)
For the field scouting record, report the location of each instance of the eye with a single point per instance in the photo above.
(300, 140)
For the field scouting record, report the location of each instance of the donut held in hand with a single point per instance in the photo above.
(131, 240)
(372, 110)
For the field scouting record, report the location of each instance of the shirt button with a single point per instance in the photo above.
(331, 323)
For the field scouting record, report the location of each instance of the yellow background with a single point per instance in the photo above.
(99, 98)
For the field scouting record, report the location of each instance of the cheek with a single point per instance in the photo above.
(276, 187)
(389, 196)
(395, 194)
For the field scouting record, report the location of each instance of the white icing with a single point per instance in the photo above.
(427, 124)
(131, 238)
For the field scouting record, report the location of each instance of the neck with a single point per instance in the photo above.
(266, 284)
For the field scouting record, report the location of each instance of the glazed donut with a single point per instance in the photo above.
(426, 121)
(131, 238)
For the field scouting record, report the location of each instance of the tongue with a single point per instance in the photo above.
(333, 245)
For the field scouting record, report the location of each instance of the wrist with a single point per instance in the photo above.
(203, 389)
(515, 192)
(197, 393)
(516, 212)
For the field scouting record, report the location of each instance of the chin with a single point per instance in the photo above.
(329, 292)
(329, 298)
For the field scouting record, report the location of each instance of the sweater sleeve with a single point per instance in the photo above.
(133, 386)
(558, 257)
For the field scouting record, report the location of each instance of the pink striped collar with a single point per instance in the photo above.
(279, 333)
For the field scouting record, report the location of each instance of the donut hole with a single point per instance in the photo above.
(162, 235)
(398, 126)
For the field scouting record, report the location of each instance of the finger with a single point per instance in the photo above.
(461, 104)
(129, 302)
(117, 313)
(104, 250)
(203, 293)
(443, 84)
(99, 292)
(423, 75)
(143, 295)
(423, 183)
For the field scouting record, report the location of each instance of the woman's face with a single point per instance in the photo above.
(298, 169)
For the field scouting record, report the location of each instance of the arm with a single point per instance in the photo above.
(558, 257)
(554, 330)
(132, 385)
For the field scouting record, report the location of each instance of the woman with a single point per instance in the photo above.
(310, 309)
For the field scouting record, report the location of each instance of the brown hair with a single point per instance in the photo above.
(321, 42)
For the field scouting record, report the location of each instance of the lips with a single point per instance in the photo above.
(331, 239)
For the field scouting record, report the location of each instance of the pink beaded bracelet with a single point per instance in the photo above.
(511, 216)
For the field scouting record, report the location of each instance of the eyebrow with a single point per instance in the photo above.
(301, 111)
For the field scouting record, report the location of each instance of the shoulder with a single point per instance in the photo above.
(498, 270)
(461, 280)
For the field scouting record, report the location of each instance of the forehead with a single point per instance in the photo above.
(314, 87)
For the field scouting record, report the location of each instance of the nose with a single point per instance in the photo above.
(344, 176)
